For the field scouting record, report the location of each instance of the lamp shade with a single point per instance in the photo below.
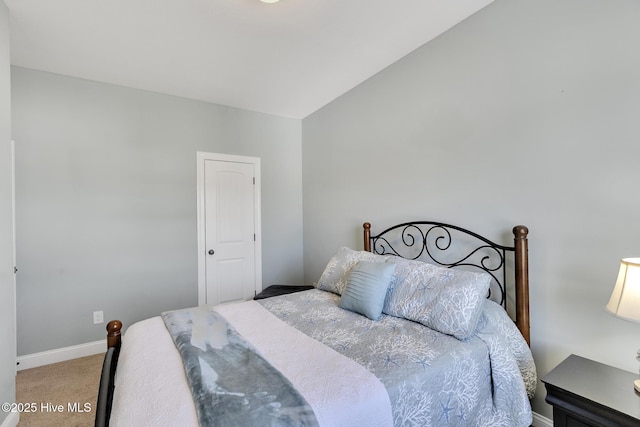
(625, 298)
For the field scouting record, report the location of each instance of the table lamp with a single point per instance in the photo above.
(625, 298)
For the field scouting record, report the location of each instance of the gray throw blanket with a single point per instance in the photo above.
(232, 385)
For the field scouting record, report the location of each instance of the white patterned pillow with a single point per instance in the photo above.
(447, 300)
(334, 277)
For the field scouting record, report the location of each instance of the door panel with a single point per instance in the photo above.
(231, 277)
(231, 221)
(229, 231)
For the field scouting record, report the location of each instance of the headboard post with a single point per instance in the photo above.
(367, 236)
(520, 233)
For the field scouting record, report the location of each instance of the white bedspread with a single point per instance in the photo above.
(155, 392)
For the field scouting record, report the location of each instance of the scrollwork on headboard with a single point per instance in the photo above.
(455, 247)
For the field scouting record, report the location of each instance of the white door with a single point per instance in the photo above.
(229, 217)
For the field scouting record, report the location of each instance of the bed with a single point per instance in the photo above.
(383, 339)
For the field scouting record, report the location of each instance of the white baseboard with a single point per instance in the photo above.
(61, 354)
(540, 421)
(11, 420)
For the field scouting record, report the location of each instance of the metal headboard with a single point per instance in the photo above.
(455, 247)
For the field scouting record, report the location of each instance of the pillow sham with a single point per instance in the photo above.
(334, 277)
(366, 288)
(447, 300)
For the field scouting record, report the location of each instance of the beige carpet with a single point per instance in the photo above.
(64, 393)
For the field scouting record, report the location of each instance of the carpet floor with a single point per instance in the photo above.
(61, 394)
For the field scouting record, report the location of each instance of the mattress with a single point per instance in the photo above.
(351, 370)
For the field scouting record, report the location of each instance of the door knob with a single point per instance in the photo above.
(211, 252)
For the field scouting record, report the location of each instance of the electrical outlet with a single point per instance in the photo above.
(98, 317)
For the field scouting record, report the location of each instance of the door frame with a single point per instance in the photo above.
(15, 262)
(201, 158)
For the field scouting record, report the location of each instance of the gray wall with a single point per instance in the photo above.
(525, 113)
(7, 293)
(106, 201)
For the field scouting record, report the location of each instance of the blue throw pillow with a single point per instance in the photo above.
(366, 288)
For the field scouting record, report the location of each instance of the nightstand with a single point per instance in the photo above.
(275, 290)
(588, 393)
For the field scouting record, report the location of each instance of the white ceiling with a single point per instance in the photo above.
(288, 58)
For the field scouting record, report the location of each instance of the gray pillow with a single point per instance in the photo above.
(366, 288)
(447, 300)
(334, 277)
